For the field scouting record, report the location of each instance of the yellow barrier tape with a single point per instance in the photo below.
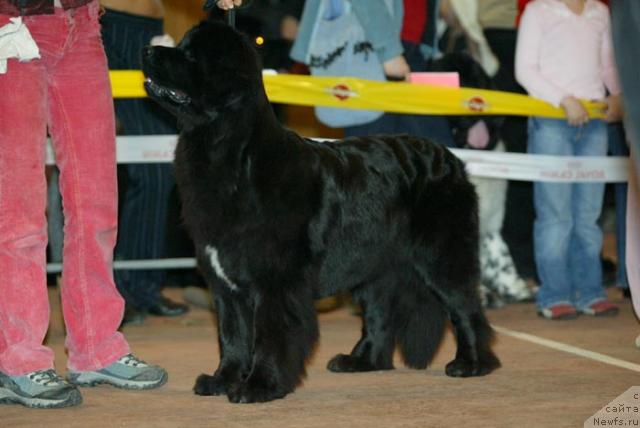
(127, 84)
(349, 92)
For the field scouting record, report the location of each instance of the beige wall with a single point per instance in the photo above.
(180, 15)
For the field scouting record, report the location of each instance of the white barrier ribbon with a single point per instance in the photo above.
(528, 167)
(512, 166)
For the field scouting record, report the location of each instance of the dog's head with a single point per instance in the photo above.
(212, 70)
(465, 129)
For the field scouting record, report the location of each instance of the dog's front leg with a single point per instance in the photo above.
(285, 331)
(235, 336)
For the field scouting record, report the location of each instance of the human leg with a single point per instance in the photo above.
(83, 132)
(24, 305)
(633, 231)
(586, 206)
(141, 232)
(143, 212)
(553, 224)
(618, 147)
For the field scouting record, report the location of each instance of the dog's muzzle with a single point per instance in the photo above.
(175, 95)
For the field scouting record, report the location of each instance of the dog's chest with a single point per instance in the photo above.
(216, 265)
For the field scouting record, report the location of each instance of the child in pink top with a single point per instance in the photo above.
(564, 54)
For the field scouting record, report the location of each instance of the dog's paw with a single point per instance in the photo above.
(211, 385)
(342, 363)
(465, 368)
(252, 392)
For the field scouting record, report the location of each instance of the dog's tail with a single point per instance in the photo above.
(420, 322)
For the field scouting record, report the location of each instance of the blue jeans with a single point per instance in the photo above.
(567, 237)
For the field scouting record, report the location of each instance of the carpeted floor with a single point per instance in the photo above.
(537, 385)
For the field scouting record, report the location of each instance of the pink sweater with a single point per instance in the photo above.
(560, 53)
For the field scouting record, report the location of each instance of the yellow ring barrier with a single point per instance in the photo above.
(350, 92)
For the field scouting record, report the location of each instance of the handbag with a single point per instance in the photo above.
(339, 48)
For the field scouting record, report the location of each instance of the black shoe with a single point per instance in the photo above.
(133, 316)
(168, 308)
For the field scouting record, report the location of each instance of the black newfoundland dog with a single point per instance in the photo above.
(279, 220)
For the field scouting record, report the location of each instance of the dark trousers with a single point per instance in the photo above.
(144, 188)
(625, 21)
(618, 147)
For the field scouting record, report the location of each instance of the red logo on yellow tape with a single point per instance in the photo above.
(342, 92)
(477, 104)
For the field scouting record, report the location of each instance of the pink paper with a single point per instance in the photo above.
(448, 79)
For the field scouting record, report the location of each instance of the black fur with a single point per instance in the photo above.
(391, 218)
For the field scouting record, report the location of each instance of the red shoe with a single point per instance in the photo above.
(601, 308)
(561, 311)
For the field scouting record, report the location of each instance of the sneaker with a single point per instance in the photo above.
(43, 389)
(561, 311)
(601, 308)
(128, 372)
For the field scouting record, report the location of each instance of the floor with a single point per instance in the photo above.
(556, 383)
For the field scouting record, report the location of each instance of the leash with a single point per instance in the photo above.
(229, 14)
(231, 17)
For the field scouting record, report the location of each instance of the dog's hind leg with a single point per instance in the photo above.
(285, 332)
(235, 331)
(473, 337)
(374, 350)
(472, 330)
(456, 285)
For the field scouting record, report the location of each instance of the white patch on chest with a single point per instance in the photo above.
(212, 252)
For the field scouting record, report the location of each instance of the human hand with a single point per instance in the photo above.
(163, 40)
(396, 68)
(575, 111)
(223, 4)
(614, 110)
(289, 28)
